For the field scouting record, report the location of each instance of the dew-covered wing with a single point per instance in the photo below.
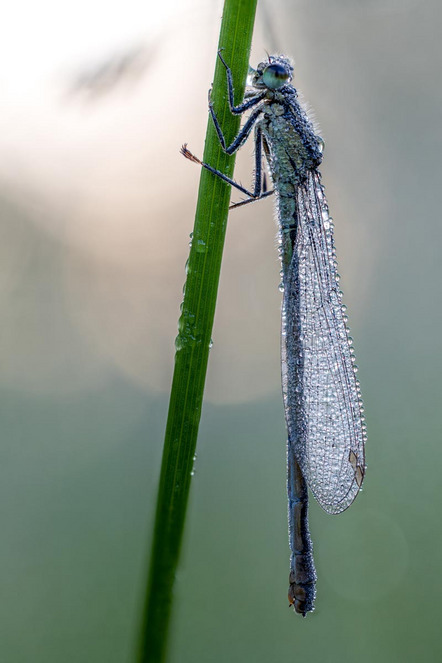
(321, 393)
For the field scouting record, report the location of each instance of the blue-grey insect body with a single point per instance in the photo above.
(322, 398)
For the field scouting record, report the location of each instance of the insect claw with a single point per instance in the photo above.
(221, 57)
(186, 153)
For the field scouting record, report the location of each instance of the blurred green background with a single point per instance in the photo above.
(96, 207)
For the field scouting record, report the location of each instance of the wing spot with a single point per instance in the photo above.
(358, 470)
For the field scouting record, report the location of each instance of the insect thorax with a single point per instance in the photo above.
(294, 146)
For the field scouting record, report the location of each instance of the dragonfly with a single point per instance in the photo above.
(326, 427)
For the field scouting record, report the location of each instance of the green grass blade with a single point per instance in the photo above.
(193, 340)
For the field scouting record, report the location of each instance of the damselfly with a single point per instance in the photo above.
(322, 396)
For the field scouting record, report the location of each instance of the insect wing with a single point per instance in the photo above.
(321, 392)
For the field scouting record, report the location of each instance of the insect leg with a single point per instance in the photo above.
(238, 110)
(265, 194)
(260, 190)
(241, 136)
(258, 161)
(256, 194)
(186, 153)
(235, 145)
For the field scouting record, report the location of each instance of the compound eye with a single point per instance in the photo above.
(275, 76)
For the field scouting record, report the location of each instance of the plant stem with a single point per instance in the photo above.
(194, 338)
